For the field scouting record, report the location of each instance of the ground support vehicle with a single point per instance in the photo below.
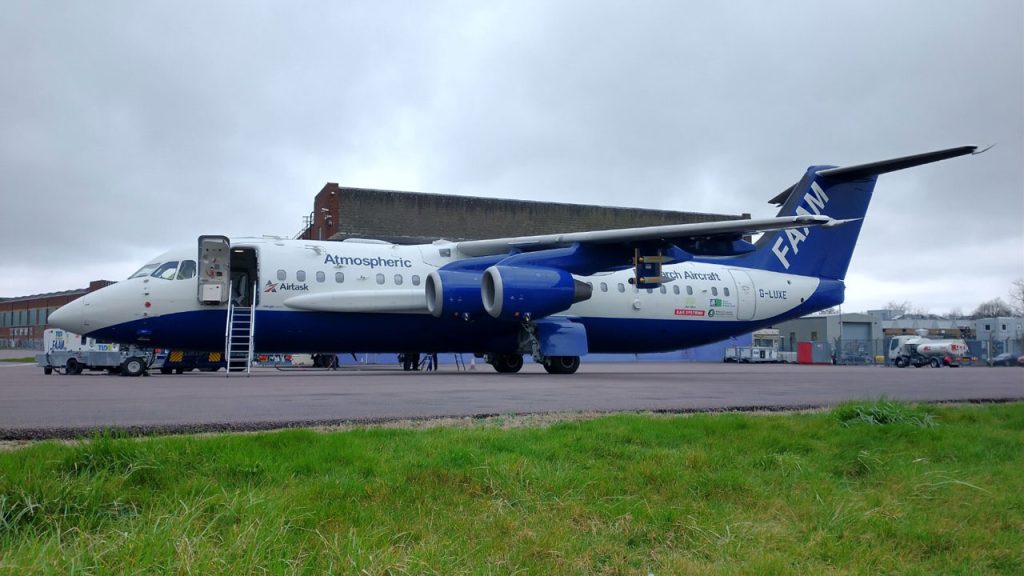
(69, 353)
(918, 351)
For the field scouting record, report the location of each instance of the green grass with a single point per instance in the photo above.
(866, 488)
(19, 360)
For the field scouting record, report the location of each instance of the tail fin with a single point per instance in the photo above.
(841, 193)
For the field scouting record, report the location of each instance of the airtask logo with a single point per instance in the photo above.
(376, 262)
(285, 287)
(816, 200)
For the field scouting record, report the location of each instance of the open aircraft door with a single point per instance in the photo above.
(746, 302)
(214, 269)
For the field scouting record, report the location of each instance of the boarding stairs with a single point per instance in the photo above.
(238, 335)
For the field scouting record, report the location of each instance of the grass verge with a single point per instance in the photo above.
(863, 488)
(25, 360)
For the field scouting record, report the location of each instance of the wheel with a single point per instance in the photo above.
(901, 363)
(561, 364)
(48, 370)
(73, 367)
(133, 366)
(507, 363)
(166, 370)
(935, 363)
(179, 370)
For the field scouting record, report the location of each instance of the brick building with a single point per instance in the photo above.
(413, 217)
(23, 319)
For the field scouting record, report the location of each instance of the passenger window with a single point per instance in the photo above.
(622, 287)
(281, 275)
(187, 270)
(320, 276)
(415, 280)
(725, 291)
(689, 290)
(604, 286)
(664, 290)
(339, 277)
(714, 291)
(166, 271)
(675, 290)
(300, 276)
(380, 279)
(398, 279)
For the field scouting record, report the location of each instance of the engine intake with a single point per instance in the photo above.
(453, 292)
(512, 292)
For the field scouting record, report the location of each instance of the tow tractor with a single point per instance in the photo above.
(69, 353)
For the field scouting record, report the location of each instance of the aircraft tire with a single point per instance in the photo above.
(166, 370)
(561, 364)
(133, 366)
(48, 370)
(72, 367)
(507, 363)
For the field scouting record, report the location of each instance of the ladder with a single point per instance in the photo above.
(238, 334)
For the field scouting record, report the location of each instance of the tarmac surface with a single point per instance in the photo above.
(33, 405)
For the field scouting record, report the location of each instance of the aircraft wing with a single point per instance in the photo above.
(673, 233)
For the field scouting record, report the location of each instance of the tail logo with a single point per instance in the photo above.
(815, 200)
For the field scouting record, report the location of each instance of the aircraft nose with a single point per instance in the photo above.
(71, 317)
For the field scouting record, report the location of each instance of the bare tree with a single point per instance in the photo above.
(992, 309)
(1017, 296)
(906, 307)
(900, 307)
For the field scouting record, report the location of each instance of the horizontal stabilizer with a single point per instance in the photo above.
(886, 166)
(870, 169)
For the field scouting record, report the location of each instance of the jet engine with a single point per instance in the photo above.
(454, 293)
(516, 292)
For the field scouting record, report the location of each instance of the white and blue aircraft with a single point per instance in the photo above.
(557, 297)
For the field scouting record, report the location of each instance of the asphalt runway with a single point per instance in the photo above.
(33, 405)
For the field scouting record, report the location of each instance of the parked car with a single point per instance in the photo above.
(1004, 359)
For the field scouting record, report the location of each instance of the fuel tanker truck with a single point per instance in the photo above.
(918, 351)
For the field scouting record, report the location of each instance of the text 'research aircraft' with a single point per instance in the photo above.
(556, 297)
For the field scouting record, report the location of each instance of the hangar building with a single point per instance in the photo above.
(23, 319)
(341, 212)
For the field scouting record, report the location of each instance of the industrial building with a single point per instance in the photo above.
(864, 338)
(854, 338)
(23, 319)
(341, 212)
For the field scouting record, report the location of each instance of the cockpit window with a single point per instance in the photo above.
(166, 271)
(145, 270)
(187, 270)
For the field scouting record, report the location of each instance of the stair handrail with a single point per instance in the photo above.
(227, 333)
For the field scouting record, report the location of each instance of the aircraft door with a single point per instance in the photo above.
(746, 302)
(214, 269)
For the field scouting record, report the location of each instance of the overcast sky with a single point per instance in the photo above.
(129, 127)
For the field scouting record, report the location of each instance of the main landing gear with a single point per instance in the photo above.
(512, 363)
(506, 363)
(561, 364)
